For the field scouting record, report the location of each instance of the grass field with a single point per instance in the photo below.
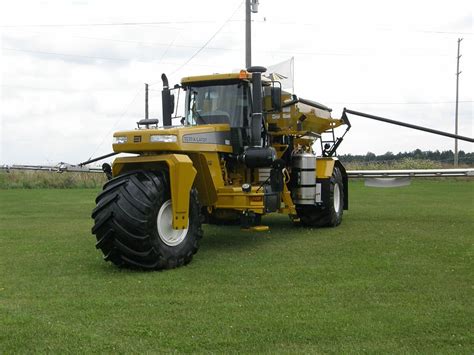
(396, 277)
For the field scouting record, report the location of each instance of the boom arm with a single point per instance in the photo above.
(408, 125)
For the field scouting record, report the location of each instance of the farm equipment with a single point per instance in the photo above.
(244, 149)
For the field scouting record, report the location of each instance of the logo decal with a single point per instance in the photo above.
(194, 139)
(208, 138)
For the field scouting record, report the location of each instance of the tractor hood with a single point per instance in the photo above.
(207, 138)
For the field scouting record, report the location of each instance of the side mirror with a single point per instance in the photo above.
(276, 98)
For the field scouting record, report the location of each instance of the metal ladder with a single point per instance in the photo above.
(328, 137)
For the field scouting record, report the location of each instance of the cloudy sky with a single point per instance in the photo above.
(72, 72)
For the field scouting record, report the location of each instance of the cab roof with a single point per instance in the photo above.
(243, 75)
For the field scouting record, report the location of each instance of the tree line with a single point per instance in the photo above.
(445, 156)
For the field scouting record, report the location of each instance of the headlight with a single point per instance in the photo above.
(163, 138)
(120, 140)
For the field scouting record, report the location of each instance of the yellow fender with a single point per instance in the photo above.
(182, 174)
(325, 167)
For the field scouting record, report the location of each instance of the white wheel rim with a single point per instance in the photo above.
(337, 198)
(168, 235)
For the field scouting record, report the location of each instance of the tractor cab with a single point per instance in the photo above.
(218, 102)
(226, 99)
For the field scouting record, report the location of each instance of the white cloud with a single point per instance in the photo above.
(66, 89)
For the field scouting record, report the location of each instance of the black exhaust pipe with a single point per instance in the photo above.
(166, 102)
(257, 115)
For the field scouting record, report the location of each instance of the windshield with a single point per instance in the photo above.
(214, 104)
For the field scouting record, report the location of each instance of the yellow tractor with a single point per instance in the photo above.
(244, 149)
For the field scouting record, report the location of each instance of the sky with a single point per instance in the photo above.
(73, 72)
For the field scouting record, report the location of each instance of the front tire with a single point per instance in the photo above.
(133, 223)
(329, 215)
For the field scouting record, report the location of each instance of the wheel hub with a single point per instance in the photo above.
(168, 235)
(337, 198)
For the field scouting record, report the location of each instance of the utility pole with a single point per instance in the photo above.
(456, 157)
(250, 6)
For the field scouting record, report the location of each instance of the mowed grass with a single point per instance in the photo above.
(395, 277)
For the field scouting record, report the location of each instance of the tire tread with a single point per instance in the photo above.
(125, 218)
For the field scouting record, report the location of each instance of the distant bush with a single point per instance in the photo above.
(405, 163)
(466, 159)
(16, 179)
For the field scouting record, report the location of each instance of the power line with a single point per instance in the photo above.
(157, 44)
(64, 54)
(165, 52)
(367, 52)
(160, 44)
(330, 54)
(109, 24)
(208, 41)
(89, 57)
(270, 22)
(143, 43)
(157, 90)
(172, 45)
(295, 23)
(444, 32)
(117, 122)
(58, 89)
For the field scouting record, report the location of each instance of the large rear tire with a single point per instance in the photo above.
(133, 223)
(329, 215)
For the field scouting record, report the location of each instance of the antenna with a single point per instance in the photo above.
(146, 101)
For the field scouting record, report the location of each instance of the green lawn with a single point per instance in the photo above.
(396, 277)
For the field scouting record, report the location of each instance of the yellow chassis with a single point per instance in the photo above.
(184, 175)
